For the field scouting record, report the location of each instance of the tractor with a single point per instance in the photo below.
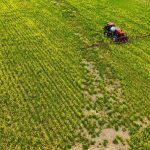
(115, 33)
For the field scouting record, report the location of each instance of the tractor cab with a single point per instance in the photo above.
(107, 28)
(110, 24)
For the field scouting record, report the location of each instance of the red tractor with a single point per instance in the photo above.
(118, 36)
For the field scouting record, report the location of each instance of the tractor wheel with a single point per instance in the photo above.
(105, 33)
(115, 39)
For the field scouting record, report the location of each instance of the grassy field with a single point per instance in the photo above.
(57, 94)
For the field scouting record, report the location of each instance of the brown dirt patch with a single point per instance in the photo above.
(110, 134)
(94, 74)
(78, 146)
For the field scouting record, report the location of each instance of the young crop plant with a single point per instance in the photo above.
(105, 142)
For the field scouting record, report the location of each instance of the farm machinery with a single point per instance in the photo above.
(117, 36)
(115, 33)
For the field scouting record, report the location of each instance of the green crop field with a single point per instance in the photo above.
(57, 92)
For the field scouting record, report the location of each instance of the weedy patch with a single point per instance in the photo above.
(99, 113)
